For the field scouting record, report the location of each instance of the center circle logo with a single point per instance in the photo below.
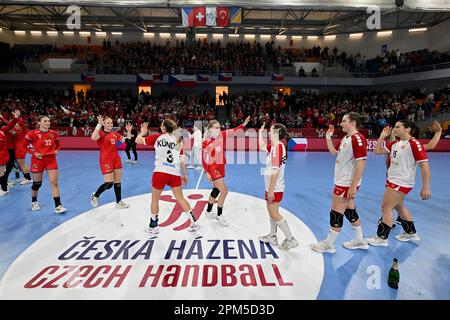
(105, 253)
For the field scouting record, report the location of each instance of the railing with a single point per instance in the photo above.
(126, 70)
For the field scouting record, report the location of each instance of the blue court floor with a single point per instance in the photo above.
(424, 266)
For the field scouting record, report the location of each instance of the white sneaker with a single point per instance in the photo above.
(270, 238)
(323, 246)
(94, 200)
(407, 237)
(122, 205)
(193, 227)
(60, 209)
(35, 206)
(11, 184)
(25, 181)
(134, 161)
(209, 214)
(289, 244)
(355, 244)
(154, 230)
(222, 221)
(190, 167)
(129, 161)
(3, 193)
(377, 241)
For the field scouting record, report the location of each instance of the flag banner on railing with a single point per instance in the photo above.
(277, 77)
(182, 80)
(158, 76)
(144, 79)
(202, 77)
(87, 77)
(225, 76)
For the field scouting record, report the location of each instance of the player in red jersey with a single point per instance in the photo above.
(214, 165)
(110, 162)
(46, 145)
(406, 155)
(5, 143)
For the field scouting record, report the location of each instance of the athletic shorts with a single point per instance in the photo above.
(46, 163)
(341, 191)
(162, 179)
(217, 171)
(278, 196)
(108, 165)
(396, 187)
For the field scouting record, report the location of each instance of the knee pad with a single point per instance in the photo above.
(408, 226)
(36, 185)
(215, 192)
(351, 215)
(336, 219)
(383, 230)
(109, 185)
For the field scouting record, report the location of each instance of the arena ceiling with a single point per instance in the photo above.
(266, 17)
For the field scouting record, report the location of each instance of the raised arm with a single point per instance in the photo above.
(262, 143)
(128, 127)
(240, 127)
(142, 133)
(437, 136)
(379, 147)
(329, 139)
(96, 134)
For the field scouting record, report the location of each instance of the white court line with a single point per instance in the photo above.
(199, 179)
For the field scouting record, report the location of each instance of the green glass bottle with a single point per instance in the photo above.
(394, 275)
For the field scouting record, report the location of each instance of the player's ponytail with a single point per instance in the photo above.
(170, 125)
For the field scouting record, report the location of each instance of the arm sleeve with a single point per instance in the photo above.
(359, 144)
(231, 131)
(418, 151)
(150, 140)
(276, 154)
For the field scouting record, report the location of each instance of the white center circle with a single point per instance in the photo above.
(105, 253)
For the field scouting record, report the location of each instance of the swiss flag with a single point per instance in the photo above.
(199, 16)
(223, 16)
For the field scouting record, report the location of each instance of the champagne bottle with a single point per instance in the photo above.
(394, 275)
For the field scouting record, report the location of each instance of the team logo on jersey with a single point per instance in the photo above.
(39, 135)
(403, 147)
(108, 255)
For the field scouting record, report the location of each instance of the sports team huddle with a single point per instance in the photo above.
(404, 154)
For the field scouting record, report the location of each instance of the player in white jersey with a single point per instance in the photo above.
(168, 159)
(274, 184)
(350, 163)
(405, 155)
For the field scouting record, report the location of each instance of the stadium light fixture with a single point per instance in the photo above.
(356, 35)
(201, 35)
(384, 33)
(100, 33)
(52, 33)
(217, 35)
(297, 37)
(249, 36)
(149, 34)
(164, 35)
(281, 37)
(233, 35)
(19, 32)
(116, 33)
(68, 33)
(418, 29)
(312, 37)
(84, 33)
(36, 33)
(265, 36)
(180, 35)
(330, 37)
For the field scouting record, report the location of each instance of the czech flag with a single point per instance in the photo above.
(143, 79)
(182, 80)
(223, 76)
(202, 77)
(277, 77)
(298, 144)
(87, 77)
(158, 76)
